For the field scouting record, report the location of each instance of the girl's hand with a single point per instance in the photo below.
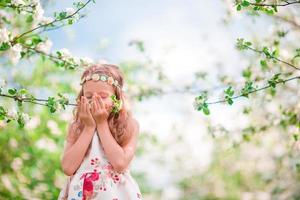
(99, 111)
(85, 114)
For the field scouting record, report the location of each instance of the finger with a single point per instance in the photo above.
(84, 105)
(87, 106)
(89, 110)
(80, 104)
(93, 106)
(101, 102)
(97, 104)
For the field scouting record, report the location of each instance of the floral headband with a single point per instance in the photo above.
(96, 77)
(118, 104)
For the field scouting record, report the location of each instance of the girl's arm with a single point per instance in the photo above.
(118, 156)
(75, 150)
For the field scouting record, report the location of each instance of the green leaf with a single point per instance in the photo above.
(4, 46)
(229, 100)
(35, 40)
(274, 80)
(263, 64)
(246, 137)
(245, 3)
(62, 15)
(247, 89)
(265, 50)
(29, 18)
(51, 103)
(70, 21)
(269, 11)
(242, 45)
(206, 110)
(239, 7)
(247, 73)
(2, 113)
(12, 91)
(229, 91)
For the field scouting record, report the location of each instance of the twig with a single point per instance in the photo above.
(54, 21)
(277, 59)
(256, 90)
(274, 5)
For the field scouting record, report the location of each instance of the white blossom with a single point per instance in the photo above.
(34, 2)
(17, 163)
(25, 117)
(6, 15)
(39, 14)
(17, 2)
(12, 113)
(64, 95)
(33, 123)
(59, 107)
(2, 83)
(53, 126)
(14, 53)
(77, 60)
(13, 142)
(46, 20)
(4, 35)
(297, 145)
(47, 144)
(65, 53)
(86, 61)
(70, 11)
(44, 46)
(7, 183)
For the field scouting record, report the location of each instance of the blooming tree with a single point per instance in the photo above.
(24, 42)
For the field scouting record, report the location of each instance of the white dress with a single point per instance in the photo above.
(96, 179)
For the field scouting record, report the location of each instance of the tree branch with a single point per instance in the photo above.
(50, 23)
(256, 90)
(275, 5)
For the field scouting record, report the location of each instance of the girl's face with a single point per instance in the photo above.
(103, 89)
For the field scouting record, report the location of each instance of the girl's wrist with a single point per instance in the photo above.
(102, 124)
(89, 129)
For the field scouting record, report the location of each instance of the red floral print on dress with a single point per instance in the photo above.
(95, 162)
(88, 187)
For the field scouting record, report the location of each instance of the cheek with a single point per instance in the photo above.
(108, 103)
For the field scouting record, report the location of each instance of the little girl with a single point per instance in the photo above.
(101, 140)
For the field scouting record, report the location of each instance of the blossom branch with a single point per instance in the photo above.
(50, 23)
(20, 7)
(256, 90)
(275, 5)
(241, 44)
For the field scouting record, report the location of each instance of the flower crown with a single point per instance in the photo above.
(96, 77)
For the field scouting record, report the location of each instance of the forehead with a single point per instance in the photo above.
(97, 86)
